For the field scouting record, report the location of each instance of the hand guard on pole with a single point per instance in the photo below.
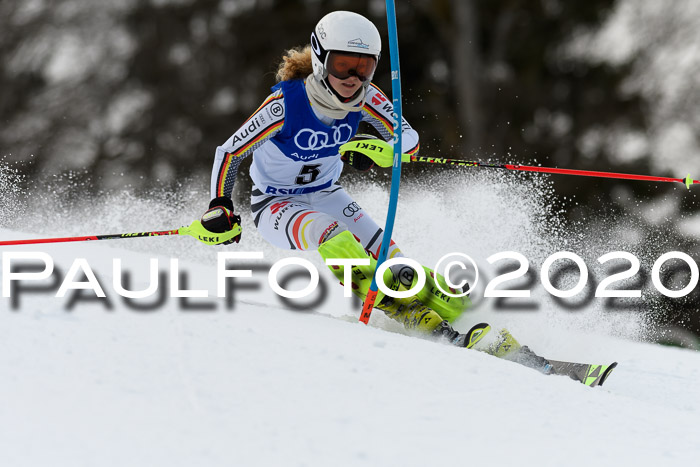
(220, 218)
(363, 151)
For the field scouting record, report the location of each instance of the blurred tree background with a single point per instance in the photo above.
(141, 92)
(150, 88)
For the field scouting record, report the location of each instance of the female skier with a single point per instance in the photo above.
(324, 92)
(295, 136)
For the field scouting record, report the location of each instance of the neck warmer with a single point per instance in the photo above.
(329, 104)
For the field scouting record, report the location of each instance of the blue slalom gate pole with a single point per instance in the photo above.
(396, 170)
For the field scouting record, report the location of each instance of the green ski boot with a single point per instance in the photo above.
(411, 312)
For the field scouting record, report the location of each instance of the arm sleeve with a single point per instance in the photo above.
(377, 112)
(265, 123)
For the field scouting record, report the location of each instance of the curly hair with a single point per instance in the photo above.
(296, 64)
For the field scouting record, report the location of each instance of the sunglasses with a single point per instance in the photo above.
(344, 65)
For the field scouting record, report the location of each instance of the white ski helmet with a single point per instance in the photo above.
(347, 32)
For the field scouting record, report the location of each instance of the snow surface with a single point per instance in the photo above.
(265, 385)
(253, 382)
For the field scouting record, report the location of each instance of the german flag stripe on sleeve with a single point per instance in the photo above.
(384, 121)
(222, 174)
(414, 150)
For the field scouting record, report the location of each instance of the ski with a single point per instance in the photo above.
(505, 346)
(590, 375)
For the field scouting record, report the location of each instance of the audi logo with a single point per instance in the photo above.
(310, 140)
(351, 209)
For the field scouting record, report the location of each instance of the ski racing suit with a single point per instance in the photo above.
(297, 202)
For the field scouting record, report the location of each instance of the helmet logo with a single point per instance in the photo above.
(321, 31)
(357, 43)
(315, 45)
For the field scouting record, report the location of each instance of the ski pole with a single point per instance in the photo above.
(195, 229)
(688, 181)
(380, 152)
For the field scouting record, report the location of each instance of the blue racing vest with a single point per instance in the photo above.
(304, 137)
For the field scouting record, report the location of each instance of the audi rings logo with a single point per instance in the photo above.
(351, 209)
(310, 140)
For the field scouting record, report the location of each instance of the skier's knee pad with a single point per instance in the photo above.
(434, 293)
(399, 277)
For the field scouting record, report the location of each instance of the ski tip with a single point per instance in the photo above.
(606, 373)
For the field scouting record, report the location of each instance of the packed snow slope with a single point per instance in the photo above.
(250, 380)
(261, 384)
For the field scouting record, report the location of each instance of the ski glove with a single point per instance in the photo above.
(356, 159)
(363, 151)
(220, 218)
